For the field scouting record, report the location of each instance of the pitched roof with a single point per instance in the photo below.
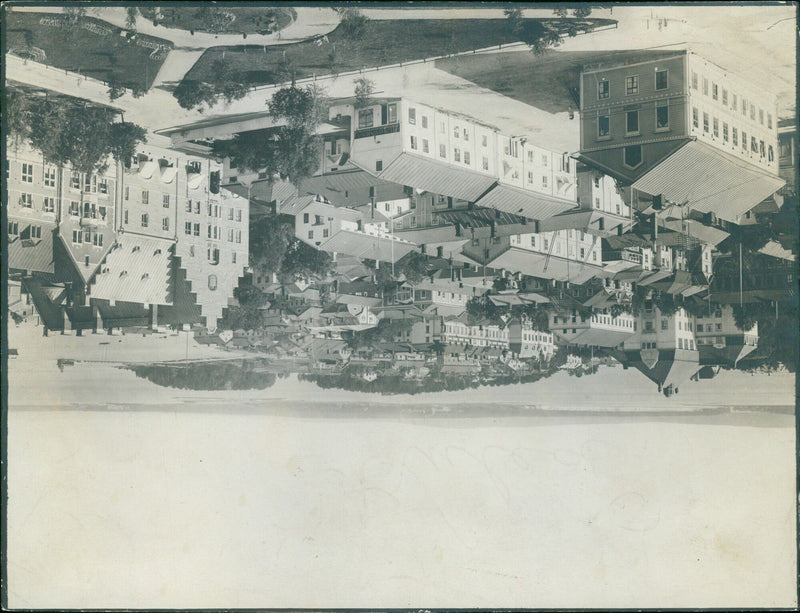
(596, 337)
(362, 245)
(673, 367)
(32, 254)
(540, 265)
(711, 181)
(357, 300)
(698, 230)
(137, 269)
(524, 202)
(351, 187)
(432, 176)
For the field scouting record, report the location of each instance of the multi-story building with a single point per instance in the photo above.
(458, 157)
(458, 331)
(720, 340)
(787, 157)
(673, 124)
(524, 341)
(596, 329)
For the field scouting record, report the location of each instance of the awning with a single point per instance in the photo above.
(431, 176)
(168, 174)
(147, 169)
(710, 181)
(525, 203)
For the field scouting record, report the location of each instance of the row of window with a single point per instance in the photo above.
(734, 102)
(91, 184)
(87, 237)
(193, 229)
(632, 121)
(32, 231)
(661, 82)
(711, 126)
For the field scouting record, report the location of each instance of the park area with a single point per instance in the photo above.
(381, 43)
(219, 20)
(86, 46)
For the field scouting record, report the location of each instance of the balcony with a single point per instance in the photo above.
(377, 131)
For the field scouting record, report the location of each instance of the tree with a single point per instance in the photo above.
(582, 12)
(500, 284)
(17, 110)
(191, 93)
(131, 14)
(293, 104)
(363, 92)
(353, 24)
(666, 303)
(303, 261)
(269, 240)
(124, 138)
(73, 15)
(249, 295)
(116, 89)
(745, 316)
(413, 266)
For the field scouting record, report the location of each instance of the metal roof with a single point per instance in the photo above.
(137, 269)
(776, 250)
(32, 254)
(710, 181)
(698, 230)
(352, 187)
(596, 337)
(362, 245)
(525, 203)
(539, 265)
(432, 176)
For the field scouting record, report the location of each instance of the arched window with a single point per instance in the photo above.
(212, 282)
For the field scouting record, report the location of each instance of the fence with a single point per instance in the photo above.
(361, 71)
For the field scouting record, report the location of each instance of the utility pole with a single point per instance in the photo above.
(740, 274)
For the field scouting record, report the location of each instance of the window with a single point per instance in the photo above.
(456, 155)
(187, 228)
(239, 215)
(695, 117)
(442, 151)
(744, 106)
(632, 122)
(632, 156)
(485, 163)
(145, 197)
(35, 232)
(661, 79)
(165, 201)
(530, 177)
(27, 172)
(196, 229)
(662, 116)
(752, 111)
(716, 127)
(744, 140)
(97, 240)
(631, 85)
(714, 91)
(733, 102)
(165, 224)
(694, 80)
(769, 121)
(466, 157)
(13, 228)
(230, 235)
(50, 173)
(75, 180)
(603, 126)
(725, 97)
(412, 115)
(77, 237)
(484, 141)
(233, 257)
(761, 116)
(305, 217)
(413, 142)
(771, 153)
(442, 127)
(466, 134)
(455, 132)
(145, 220)
(753, 144)
(238, 236)
(325, 233)
(26, 200)
(603, 90)
(124, 215)
(212, 282)
(197, 207)
(49, 205)
(425, 121)
(188, 206)
(718, 327)
(230, 214)
(735, 136)
(544, 181)
(391, 113)
(705, 86)
(425, 147)
(761, 149)
(705, 122)
(365, 118)
(724, 132)
(102, 186)
(378, 165)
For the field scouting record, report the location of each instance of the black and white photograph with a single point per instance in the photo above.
(416, 306)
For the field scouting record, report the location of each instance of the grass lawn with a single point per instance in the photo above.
(253, 20)
(98, 52)
(385, 42)
(520, 75)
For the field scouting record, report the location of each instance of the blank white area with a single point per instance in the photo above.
(146, 509)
